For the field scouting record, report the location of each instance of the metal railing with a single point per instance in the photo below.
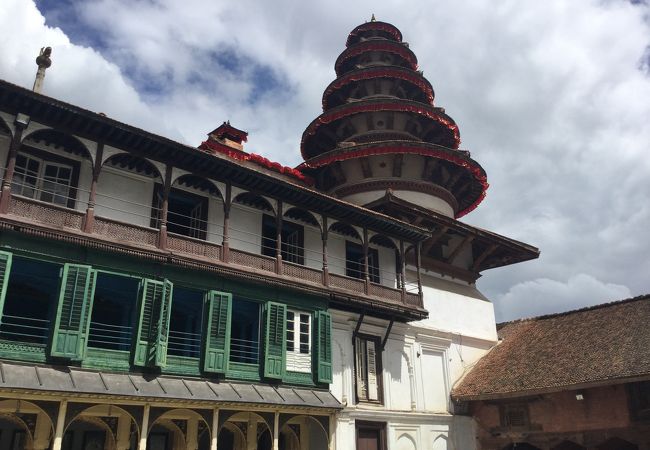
(183, 343)
(109, 336)
(244, 351)
(25, 329)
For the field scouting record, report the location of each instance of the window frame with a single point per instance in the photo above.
(296, 355)
(378, 369)
(290, 252)
(44, 159)
(350, 262)
(191, 232)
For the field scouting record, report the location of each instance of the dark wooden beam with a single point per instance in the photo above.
(365, 167)
(487, 252)
(464, 243)
(429, 243)
(398, 161)
(454, 179)
(337, 172)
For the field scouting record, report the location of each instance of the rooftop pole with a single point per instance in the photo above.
(43, 61)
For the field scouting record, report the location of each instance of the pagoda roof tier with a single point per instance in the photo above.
(379, 45)
(386, 29)
(314, 132)
(396, 73)
(467, 199)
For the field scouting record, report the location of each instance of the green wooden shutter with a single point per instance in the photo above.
(217, 342)
(164, 315)
(275, 344)
(5, 270)
(153, 327)
(324, 346)
(70, 333)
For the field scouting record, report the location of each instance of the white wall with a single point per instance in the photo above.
(245, 229)
(124, 196)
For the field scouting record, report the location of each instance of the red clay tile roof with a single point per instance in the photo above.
(604, 344)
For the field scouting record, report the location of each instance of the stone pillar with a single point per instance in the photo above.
(144, 429)
(251, 434)
(21, 123)
(60, 425)
(304, 434)
(276, 431)
(191, 436)
(89, 220)
(42, 432)
(225, 244)
(215, 429)
(122, 440)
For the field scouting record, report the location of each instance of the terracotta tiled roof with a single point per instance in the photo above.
(604, 344)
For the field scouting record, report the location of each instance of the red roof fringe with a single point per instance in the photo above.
(381, 26)
(475, 170)
(350, 109)
(380, 72)
(377, 46)
(241, 155)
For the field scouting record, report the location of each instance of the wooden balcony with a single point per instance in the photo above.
(66, 221)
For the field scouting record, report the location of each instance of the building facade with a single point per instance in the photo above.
(160, 296)
(575, 380)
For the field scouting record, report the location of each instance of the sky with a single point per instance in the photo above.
(552, 99)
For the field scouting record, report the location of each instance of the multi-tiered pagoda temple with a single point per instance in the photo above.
(380, 132)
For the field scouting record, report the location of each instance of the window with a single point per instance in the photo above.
(514, 415)
(354, 266)
(185, 323)
(30, 301)
(245, 332)
(367, 365)
(298, 341)
(187, 213)
(639, 395)
(113, 314)
(45, 180)
(292, 240)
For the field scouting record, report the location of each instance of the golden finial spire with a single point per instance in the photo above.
(372, 19)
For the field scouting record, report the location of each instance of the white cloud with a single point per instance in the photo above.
(549, 97)
(545, 296)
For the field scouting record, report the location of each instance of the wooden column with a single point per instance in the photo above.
(225, 244)
(162, 233)
(89, 220)
(42, 432)
(251, 434)
(278, 239)
(402, 270)
(144, 429)
(5, 195)
(60, 425)
(418, 264)
(366, 272)
(215, 429)
(326, 271)
(276, 431)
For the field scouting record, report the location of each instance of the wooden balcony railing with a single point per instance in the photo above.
(58, 217)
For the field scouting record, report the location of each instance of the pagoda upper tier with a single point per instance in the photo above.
(380, 131)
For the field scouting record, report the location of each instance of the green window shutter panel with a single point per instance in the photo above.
(151, 294)
(324, 346)
(5, 270)
(72, 321)
(217, 343)
(164, 315)
(275, 344)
